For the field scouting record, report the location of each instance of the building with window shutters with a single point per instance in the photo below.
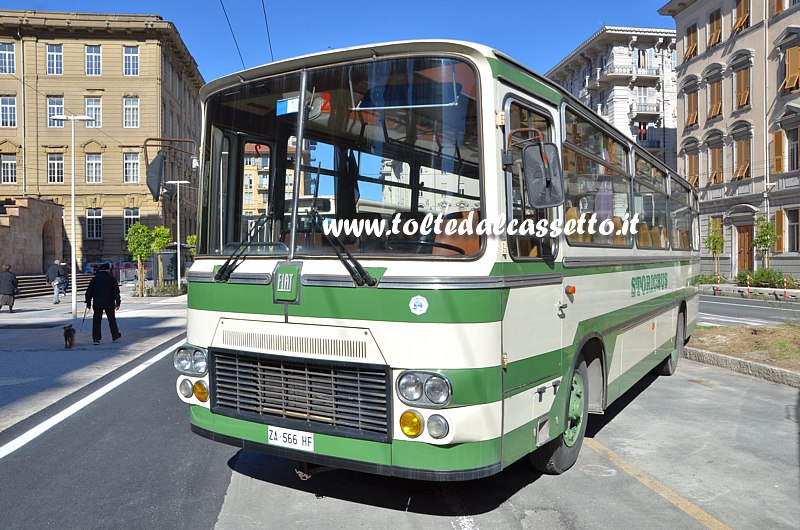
(627, 76)
(738, 120)
(134, 75)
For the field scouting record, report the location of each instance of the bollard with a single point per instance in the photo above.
(719, 287)
(784, 288)
(748, 286)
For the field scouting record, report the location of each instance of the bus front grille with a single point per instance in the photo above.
(344, 399)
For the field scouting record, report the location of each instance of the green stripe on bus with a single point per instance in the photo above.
(634, 374)
(349, 448)
(515, 75)
(538, 267)
(518, 443)
(387, 305)
(474, 386)
(470, 455)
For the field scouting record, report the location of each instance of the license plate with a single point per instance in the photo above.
(302, 441)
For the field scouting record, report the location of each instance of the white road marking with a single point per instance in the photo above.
(727, 321)
(48, 424)
(749, 306)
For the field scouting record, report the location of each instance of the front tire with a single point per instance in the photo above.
(670, 364)
(560, 454)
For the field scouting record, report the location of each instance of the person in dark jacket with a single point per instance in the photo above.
(55, 275)
(8, 288)
(103, 292)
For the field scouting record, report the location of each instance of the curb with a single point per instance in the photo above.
(756, 293)
(762, 371)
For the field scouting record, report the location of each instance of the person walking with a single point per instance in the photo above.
(103, 292)
(55, 275)
(8, 288)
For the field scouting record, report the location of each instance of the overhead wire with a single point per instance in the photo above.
(235, 42)
(266, 23)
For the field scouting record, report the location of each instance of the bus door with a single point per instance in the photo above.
(531, 327)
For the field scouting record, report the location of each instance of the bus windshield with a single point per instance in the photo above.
(382, 139)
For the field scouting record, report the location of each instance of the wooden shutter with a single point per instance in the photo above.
(777, 155)
(778, 7)
(779, 215)
(792, 69)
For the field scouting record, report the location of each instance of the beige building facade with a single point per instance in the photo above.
(135, 77)
(738, 120)
(627, 76)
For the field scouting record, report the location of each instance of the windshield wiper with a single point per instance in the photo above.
(238, 254)
(356, 271)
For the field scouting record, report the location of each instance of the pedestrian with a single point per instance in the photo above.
(8, 288)
(103, 291)
(55, 275)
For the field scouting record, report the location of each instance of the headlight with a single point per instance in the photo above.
(200, 391)
(199, 362)
(411, 423)
(437, 390)
(425, 389)
(183, 360)
(410, 387)
(438, 427)
(186, 388)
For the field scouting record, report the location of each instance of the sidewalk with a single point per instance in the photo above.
(37, 369)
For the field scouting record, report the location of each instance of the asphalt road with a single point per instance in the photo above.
(730, 311)
(706, 447)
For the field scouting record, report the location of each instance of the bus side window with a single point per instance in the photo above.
(525, 127)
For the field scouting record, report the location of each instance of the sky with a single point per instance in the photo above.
(536, 33)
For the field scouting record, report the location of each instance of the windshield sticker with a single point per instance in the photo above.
(287, 106)
(418, 305)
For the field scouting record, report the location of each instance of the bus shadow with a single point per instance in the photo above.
(597, 422)
(426, 498)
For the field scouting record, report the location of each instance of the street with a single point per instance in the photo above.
(705, 447)
(729, 311)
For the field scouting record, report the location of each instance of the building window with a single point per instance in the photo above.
(94, 109)
(742, 15)
(793, 158)
(714, 28)
(742, 159)
(55, 107)
(8, 112)
(714, 99)
(791, 81)
(8, 169)
(641, 133)
(130, 113)
(793, 230)
(674, 60)
(94, 168)
(130, 60)
(715, 172)
(55, 59)
(94, 223)
(742, 78)
(131, 168)
(7, 58)
(93, 62)
(691, 109)
(55, 168)
(131, 217)
(248, 197)
(691, 42)
(693, 168)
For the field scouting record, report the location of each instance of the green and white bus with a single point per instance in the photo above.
(422, 355)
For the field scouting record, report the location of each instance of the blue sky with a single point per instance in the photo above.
(536, 33)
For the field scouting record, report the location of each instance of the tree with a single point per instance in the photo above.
(161, 238)
(715, 243)
(191, 239)
(140, 246)
(764, 238)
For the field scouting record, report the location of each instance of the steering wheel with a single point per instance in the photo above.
(393, 244)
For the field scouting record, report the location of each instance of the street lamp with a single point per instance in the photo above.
(73, 255)
(178, 250)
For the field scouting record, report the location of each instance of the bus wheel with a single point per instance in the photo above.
(668, 366)
(558, 455)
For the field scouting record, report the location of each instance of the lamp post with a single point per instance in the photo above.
(178, 212)
(73, 254)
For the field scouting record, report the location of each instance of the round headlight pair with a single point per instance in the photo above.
(193, 361)
(424, 388)
(412, 425)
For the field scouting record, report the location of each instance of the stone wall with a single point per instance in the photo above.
(31, 234)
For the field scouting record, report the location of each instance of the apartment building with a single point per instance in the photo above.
(738, 120)
(135, 77)
(627, 75)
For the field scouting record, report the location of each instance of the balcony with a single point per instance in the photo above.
(650, 144)
(615, 73)
(644, 108)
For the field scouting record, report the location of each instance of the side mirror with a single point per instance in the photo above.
(544, 179)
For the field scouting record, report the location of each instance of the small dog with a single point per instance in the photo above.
(69, 336)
